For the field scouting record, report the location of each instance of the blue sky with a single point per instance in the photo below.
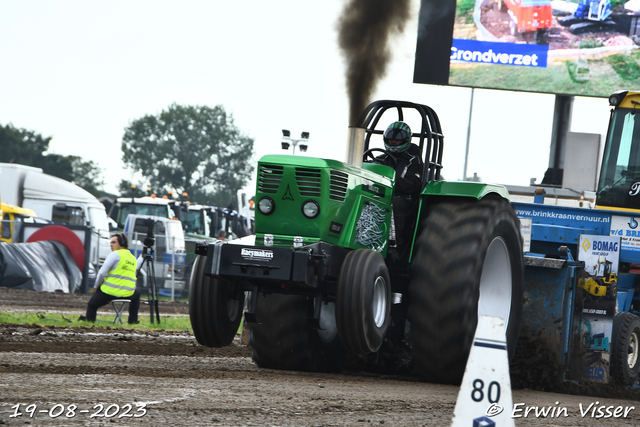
(82, 71)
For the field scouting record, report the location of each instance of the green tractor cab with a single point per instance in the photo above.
(324, 275)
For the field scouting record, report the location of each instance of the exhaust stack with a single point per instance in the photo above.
(355, 146)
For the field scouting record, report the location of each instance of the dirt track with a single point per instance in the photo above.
(183, 384)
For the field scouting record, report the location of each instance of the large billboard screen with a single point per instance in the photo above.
(573, 47)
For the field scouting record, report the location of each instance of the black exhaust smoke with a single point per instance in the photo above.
(363, 34)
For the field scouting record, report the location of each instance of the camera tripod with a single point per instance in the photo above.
(152, 296)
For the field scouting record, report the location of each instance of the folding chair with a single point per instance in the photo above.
(119, 309)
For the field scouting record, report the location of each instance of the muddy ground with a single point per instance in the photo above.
(106, 376)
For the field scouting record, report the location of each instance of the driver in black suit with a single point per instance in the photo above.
(409, 167)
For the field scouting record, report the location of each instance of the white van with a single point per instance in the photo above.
(169, 248)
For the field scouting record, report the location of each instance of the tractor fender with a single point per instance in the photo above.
(476, 190)
(436, 191)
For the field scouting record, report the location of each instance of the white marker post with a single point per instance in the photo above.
(485, 398)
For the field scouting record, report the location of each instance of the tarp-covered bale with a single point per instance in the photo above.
(42, 266)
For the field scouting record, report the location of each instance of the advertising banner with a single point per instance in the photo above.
(595, 308)
(626, 227)
(571, 47)
(601, 254)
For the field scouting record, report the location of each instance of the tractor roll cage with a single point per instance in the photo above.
(430, 131)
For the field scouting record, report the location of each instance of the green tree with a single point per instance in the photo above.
(21, 146)
(87, 175)
(140, 189)
(29, 148)
(193, 149)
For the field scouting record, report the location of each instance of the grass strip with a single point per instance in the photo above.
(169, 323)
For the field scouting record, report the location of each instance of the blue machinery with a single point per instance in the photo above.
(557, 313)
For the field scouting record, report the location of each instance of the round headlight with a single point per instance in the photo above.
(266, 206)
(614, 100)
(310, 209)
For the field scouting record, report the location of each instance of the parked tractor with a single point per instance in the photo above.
(320, 275)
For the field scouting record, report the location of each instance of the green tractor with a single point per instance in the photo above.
(319, 275)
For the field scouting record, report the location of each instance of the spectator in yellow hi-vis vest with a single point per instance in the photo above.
(116, 279)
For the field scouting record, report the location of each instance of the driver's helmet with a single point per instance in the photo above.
(397, 137)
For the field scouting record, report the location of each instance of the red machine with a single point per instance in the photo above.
(527, 15)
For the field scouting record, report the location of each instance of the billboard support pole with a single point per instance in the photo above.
(561, 127)
(466, 151)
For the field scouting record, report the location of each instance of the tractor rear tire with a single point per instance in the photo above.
(468, 263)
(214, 311)
(625, 357)
(363, 301)
(284, 338)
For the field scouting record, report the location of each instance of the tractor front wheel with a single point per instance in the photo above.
(215, 308)
(625, 362)
(284, 339)
(363, 301)
(468, 263)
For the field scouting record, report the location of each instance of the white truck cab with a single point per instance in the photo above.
(125, 206)
(58, 201)
(168, 246)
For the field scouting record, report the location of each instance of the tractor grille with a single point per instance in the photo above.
(269, 177)
(308, 181)
(338, 185)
